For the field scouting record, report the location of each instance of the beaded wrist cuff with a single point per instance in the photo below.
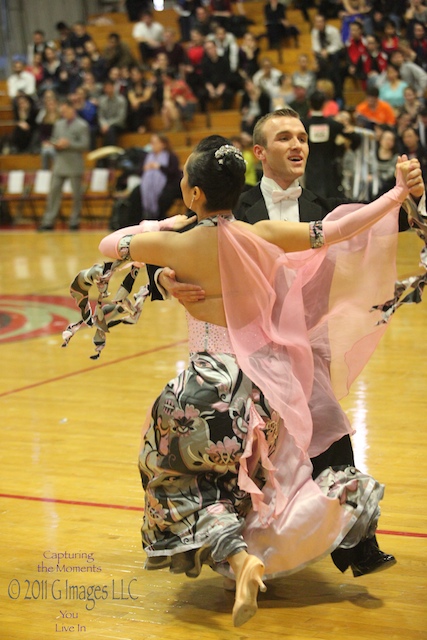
(123, 248)
(316, 235)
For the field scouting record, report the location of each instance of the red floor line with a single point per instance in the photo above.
(98, 366)
(104, 505)
(79, 503)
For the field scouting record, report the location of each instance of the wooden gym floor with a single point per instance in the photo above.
(69, 480)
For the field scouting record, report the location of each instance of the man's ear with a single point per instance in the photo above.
(259, 152)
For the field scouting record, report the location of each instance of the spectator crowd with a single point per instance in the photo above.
(214, 58)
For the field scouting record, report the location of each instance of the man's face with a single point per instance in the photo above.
(285, 153)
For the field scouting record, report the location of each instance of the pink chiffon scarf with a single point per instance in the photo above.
(302, 329)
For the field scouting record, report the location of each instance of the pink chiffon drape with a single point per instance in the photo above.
(302, 329)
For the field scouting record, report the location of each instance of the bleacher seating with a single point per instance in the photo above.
(215, 121)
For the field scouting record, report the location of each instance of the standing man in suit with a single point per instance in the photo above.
(281, 145)
(70, 138)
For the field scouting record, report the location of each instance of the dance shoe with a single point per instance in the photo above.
(375, 561)
(248, 582)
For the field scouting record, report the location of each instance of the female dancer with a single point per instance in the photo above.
(224, 461)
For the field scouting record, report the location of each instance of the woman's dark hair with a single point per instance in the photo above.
(218, 168)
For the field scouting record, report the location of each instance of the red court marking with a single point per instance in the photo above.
(79, 503)
(104, 505)
(98, 366)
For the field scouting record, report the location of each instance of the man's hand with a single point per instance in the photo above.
(179, 290)
(181, 220)
(411, 174)
(414, 180)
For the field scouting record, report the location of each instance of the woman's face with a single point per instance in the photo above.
(410, 139)
(387, 140)
(156, 144)
(392, 74)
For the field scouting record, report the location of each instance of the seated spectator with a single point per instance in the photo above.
(330, 107)
(92, 87)
(98, 62)
(64, 35)
(186, 10)
(301, 102)
(117, 53)
(255, 104)
(174, 51)
(51, 67)
(112, 113)
(45, 120)
(412, 104)
(328, 49)
(278, 26)
(115, 75)
(393, 87)
(284, 94)
(149, 35)
(38, 45)
(372, 63)
(140, 97)
(134, 8)
(416, 13)
(37, 69)
(68, 73)
(203, 21)
(193, 64)
(373, 111)
(382, 167)
(385, 10)
(403, 121)
(88, 111)
(355, 10)
(355, 49)
(226, 46)
(161, 178)
(20, 81)
(268, 77)
(410, 73)
(216, 77)
(221, 12)
(25, 126)
(418, 44)
(79, 38)
(410, 144)
(390, 40)
(248, 55)
(160, 70)
(179, 103)
(303, 75)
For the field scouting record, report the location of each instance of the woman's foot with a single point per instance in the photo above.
(248, 581)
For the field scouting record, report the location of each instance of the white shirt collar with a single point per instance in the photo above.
(285, 210)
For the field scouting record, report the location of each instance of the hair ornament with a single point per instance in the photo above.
(227, 150)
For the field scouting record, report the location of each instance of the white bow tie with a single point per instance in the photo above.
(293, 193)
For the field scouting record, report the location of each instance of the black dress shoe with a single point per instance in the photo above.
(45, 227)
(366, 557)
(377, 560)
(74, 227)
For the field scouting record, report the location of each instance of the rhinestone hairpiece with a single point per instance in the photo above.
(226, 150)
